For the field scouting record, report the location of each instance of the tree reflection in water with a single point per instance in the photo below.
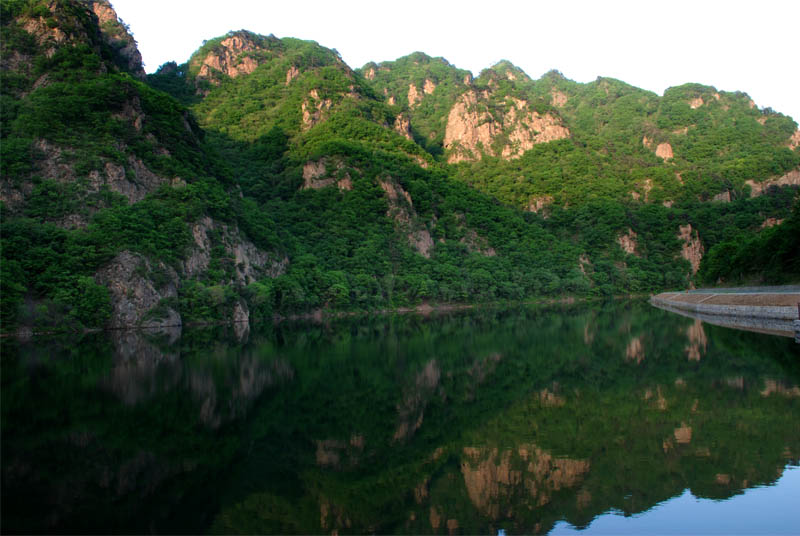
(460, 422)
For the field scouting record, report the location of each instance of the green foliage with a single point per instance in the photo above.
(771, 256)
(428, 117)
(402, 227)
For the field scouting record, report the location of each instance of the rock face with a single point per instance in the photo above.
(722, 197)
(134, 297)
(558, 98)
(116, 35)
(326, 172)
(291, 74)
(314, 109)
(771, 222)
(414, 96)
(250, 263)
(692, 249)
(133, 180)
(791, 178)
(402, 125)
(539, 204)
(663, 150)
(628, 242)
(794, 141)
(49, 36)
(401, 210)
(472, 130)
(237, 54)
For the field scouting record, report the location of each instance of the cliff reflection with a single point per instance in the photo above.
(223, 380)
(454, 423)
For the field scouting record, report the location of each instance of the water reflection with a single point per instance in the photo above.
(456, 423)
(686, 514)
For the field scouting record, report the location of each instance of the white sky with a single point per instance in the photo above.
(732, 45)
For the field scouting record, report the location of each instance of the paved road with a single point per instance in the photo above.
(785, 289)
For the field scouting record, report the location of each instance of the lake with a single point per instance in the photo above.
(605, 418)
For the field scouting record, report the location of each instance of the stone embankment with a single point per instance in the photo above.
(762, 305)
(776, 308)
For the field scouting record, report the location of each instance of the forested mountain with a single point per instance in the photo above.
(266, 176)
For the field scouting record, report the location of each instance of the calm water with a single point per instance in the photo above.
(616, 418)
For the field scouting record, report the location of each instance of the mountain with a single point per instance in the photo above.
(266, 176)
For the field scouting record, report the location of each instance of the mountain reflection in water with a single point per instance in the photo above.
(466, 422)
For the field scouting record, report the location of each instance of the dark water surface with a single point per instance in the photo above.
(617, 417)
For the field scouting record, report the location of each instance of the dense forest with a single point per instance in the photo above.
(265, 176)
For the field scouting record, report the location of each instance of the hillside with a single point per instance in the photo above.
(266, 176)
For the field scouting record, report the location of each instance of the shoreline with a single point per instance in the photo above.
(764, 305)
(319, 315)
(772, 312)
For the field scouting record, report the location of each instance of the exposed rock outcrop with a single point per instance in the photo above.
(558, 98)
(326, 172)
(722, 197)
(134, 180)
(402, 125)
(584, 262)
(683, 434)
(291, 74)
(339, 454)
(414, 95)
(791, 178)
(628, 242)
(692, 248)
(772, 387)
(236, 55)
(314, 109)
(539, 204)
(135, 298)
(477, 243)
(771, 222)
(663, 150)
(249, 262)
(794, 141)
(115, 33)
(472, 130)
(59, 29)
(473, 240)
(401, 210)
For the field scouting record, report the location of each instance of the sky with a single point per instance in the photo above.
(732, 45)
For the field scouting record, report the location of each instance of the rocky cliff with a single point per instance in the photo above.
(235, 54)
(215, 174)
(472, 130)
(106, 158)
(117, 36)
